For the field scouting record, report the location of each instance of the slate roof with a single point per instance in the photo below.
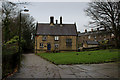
(94, 32)
(65, 29)
(92, 42)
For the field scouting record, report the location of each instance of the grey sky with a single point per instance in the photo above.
(70, 11)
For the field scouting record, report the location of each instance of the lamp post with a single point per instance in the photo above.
(19, 42)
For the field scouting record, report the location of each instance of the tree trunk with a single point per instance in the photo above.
(117, 41)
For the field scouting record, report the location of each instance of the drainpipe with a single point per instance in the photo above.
(36, 45)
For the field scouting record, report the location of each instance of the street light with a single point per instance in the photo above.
(25, 10)
(19, 42)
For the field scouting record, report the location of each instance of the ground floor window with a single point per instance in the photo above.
(56, 46)
(41, 45)
(69, 42)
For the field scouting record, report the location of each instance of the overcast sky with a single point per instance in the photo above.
(70, 11)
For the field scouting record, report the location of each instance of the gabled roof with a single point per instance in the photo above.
(92, 42)
(65, 29)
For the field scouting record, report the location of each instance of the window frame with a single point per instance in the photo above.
(56, 38)
(56, 45)
(69, 42)
(41, 45)
(44, 38)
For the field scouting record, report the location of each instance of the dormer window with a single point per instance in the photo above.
(56, 38)
(44, 38)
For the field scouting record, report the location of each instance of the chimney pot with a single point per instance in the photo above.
(60, 20)
(56, 21)
(51, 20)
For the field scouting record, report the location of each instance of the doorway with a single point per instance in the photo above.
(48, 46)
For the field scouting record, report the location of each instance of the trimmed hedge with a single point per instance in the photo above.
(10, 59)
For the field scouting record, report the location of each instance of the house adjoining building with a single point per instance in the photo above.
(94, 37)
(55, 37)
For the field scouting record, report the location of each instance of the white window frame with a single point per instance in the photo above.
(56, 45)
(44, 38)
(56, 38)
(95, 37)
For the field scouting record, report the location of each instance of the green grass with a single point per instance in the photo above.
(86, 57)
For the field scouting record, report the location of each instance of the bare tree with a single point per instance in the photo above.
(106, 14)
(11, 22)
(8, 12)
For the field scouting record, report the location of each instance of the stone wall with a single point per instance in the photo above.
(51, 39)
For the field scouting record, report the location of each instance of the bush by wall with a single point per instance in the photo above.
(10, 58)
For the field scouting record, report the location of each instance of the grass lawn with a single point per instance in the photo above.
(98, 56)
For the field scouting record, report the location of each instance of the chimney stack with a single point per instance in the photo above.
(85, 30)
(60, 20)
(51, 20)
(56, 21)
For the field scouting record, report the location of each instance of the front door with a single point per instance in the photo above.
(48, 46)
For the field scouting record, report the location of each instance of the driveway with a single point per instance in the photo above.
(34, 66)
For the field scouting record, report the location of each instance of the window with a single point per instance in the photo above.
(112, 35)
(89, 37)
(104, 38)
(56, 38)
(44, 38)
(95, 37)
(56, 46)
(41, 45)
(68, 42)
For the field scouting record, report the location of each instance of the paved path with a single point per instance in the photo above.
(35, 67)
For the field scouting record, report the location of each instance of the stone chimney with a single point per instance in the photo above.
(61, 20)
(51, 20)
(85, 30)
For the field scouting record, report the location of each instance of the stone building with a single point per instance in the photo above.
(94, 35)
(55, 37)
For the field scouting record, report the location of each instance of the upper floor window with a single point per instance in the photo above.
(44, 38)
(56, 38)
(68, 42)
